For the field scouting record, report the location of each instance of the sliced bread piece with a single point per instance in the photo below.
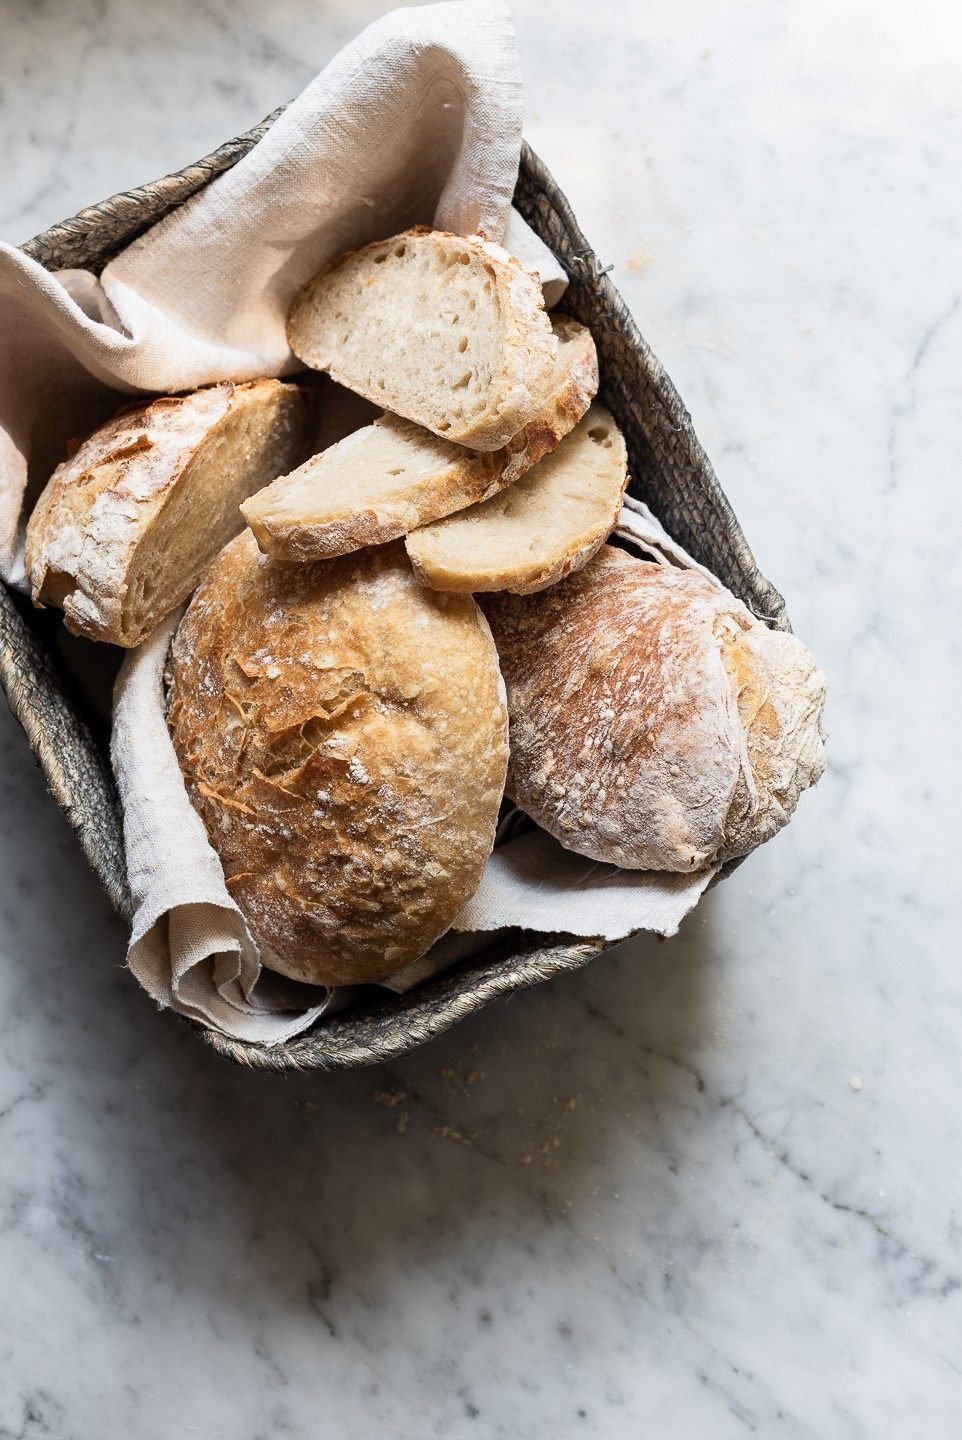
(127, 526)
(392, 476)
(446, 331)
(547, 525)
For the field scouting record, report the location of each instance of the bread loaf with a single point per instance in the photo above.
(545, 526)
(446, 331)
(382, 481)
(655, 723)
(126, 527)
(343, 735)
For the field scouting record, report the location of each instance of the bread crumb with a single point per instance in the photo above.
(450, 1132)
(462, 1081)
(389, 1098)
(855, 1082)
(640, 261)
(401, 1123)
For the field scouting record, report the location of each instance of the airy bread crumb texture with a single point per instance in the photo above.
(655, 723)
(444, 330)
(343, 734)
(548, 524)
(392, 476)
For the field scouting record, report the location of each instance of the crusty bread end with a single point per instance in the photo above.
(127, 526)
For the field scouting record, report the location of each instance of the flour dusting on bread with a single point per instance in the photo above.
(655, 723)
(343, 734)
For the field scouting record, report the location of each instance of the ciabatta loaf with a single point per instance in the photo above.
(446, 331)
(126, 527)
(547, 525)
(384, 480)
(343, 734)
(655, 723)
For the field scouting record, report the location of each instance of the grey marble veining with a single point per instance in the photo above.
(705, 1187)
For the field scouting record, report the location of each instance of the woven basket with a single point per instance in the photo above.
(669, 470)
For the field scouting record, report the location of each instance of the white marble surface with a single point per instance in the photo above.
(706, 1187)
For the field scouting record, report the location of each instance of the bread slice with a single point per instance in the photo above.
(547, 525)
(126, 527)
(446, 331)
(392, 476)
(343, 735)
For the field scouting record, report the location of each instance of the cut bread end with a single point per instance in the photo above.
(127, 528)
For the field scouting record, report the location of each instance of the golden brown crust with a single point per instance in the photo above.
(343, 735)
(655, 723)
(89, 528)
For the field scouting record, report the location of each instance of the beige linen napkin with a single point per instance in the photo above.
(190, 948)
(418, 120)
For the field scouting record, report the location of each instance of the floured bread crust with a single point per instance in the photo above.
(390, 477)
(343, 734)
(655, 724)
(126, 527)
(444, 330)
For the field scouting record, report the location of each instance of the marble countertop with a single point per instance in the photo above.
(708, 1186)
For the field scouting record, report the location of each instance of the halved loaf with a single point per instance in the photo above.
(343, 735)
(384, 480)
(126, 527)
(548, 524)
(446, 331)
(655, 723)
